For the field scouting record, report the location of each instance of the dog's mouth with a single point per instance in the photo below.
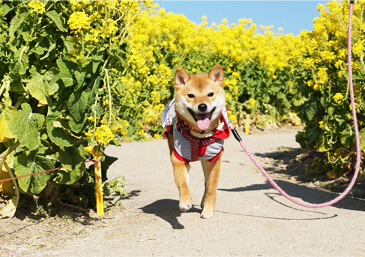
(202, 119)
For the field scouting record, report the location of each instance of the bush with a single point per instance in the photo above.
(60, 64)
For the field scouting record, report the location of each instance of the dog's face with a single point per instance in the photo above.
(200, 99)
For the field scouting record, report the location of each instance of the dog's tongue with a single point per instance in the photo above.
(203, 121)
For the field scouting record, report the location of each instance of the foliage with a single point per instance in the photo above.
(326, 110)
(60, 64)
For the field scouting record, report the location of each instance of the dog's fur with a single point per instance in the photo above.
(198, 97)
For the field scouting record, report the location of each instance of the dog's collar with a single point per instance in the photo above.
(187, 126)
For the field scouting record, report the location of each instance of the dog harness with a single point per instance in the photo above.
(188, 148)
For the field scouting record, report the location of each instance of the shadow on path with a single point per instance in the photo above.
(307, 194)
(168, 210)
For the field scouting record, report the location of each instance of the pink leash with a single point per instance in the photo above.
(358, 151)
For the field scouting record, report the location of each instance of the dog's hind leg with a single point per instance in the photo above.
(181, 174)
(211, 174)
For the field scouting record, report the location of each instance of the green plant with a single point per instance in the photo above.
(60, 62)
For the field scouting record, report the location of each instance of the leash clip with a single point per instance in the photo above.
(234, 131)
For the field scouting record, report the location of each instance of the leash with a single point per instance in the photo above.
(39, 172)
(356, 129)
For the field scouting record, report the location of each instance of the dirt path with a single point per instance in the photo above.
(251, 218)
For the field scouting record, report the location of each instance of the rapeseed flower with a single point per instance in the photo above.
(103, 135)
(78, 21)
(37, 7)
(337, 98)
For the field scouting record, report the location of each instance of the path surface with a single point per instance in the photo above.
(251, 218)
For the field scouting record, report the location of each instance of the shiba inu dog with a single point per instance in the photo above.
(195, 123)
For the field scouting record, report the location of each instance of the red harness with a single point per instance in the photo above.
(199, 146)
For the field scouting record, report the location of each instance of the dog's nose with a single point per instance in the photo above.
(202, 107)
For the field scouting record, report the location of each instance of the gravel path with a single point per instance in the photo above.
(251, 218)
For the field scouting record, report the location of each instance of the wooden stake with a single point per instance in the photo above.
(98, 190)
(247, 127)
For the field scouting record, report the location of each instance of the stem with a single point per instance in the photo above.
(107, 60)
(21, 54)
(110, 97)
(9, 150)
(5, 84)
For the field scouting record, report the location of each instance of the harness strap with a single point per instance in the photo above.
(196, 143)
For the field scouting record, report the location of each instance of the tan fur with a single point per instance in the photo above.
(200, 86)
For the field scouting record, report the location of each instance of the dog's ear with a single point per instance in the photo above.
(181, 77)
(216, 74)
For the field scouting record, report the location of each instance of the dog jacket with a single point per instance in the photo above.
(189, 148)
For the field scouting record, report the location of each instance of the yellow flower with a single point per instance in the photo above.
(251, 103)
(356, 107)
(97, 153)
(337, 98)
(103, 135)
(322, 76)
(320, 124)
(88, 134)
(122, 128)
(316, 87)
(89, 149)
(36, 6)
(235, 74)
(241, 21)
(106, 102)
(233, 118)
(78, 21)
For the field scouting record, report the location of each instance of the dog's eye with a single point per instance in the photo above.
(191, 95)
(210, 94)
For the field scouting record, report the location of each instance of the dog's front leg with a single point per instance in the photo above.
(211, 174)
(181, 174)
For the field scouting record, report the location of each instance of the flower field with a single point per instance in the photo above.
(79, 75)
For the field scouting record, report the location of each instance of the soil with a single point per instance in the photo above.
(251, 218)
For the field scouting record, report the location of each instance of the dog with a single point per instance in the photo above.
(195, 123)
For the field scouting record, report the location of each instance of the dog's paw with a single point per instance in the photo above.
(207, 213)
(185, 206)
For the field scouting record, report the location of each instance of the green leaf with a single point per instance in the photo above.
(54, 16)
(4, 9)
(77, 104)
(59, 135)
(348, 137)
(37, 88)
(6, 117)
(362, 139)
(71, 157)
(323, 144)
(72, 160)
(80, 78)
(77, 127)
(95, 81)
(52, 45)
(26, 125)
(309, 109)
(16, 22)
(32, 163)
(64, 73)
(21, 63)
